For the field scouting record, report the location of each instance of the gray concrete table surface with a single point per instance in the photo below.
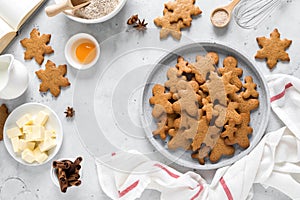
(23, 182)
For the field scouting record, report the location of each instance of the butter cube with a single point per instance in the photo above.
(28, 156)
(40, 157)
(23, 144)
(27, 129)
(24, 120)
(50, 134)
(41, 118)
(47, 144)
(15, 144)
(14, 132)
(34, 133)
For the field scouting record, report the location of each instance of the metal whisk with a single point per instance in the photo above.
(249, 13)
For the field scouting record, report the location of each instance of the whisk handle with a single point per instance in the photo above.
(230, 6)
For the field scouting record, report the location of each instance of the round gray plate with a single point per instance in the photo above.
(259, 117)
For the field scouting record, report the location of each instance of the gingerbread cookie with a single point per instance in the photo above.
(231, 113)
(158, 111)
(209, 142)
(189, 125)
(227, 113)
(214, 57)
(245, 105)
(168, 28)
(179, 141)
(53, 78)
(221, 115)
(162, 129)
(220, 149)
(195, 86)
(161, 98)
(201, 154)
(3, 117)
(273, 49)
(212, 135)
(230, 130)
(183, 66)
(171, 120)
(177, 15)
(173, 130)
(230, 65)
(201, 133)
(182, 10)
(202, 67)
(36, 46)
(250, 88)
(208, 108)
(216, 88)
(241, 134)
(173, 79)
(229, 88)
(187, 99)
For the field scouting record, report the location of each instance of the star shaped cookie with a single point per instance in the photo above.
(53, 78)
(36, 46)
(273, 49)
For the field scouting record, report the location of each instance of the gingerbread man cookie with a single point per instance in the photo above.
(173, 79)
(220, 149)
(250, 88)
(183, 66)
(161, 98)
(241, 134)
(187, 99)
(230, 65)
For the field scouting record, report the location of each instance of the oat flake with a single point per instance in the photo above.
(97, 9)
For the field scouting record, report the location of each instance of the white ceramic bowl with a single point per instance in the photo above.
(53, 173)
(33, 109)
(98, 20)
(70, 50)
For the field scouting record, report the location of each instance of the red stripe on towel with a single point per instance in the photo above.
(198, 193)
(226, 189)
(166, 170)
(280, 95)
(128, 189)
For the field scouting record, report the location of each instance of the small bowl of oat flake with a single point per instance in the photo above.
(96, 12)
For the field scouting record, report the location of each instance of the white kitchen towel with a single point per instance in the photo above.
(275, 162)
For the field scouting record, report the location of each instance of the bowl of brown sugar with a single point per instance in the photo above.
(96, 12)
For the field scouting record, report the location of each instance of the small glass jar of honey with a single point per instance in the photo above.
(82, 51)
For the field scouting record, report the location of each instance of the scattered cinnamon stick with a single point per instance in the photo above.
(68, 173)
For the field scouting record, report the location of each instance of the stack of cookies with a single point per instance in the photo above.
(205, 109)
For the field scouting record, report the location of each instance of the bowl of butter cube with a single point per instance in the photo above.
(33, 134)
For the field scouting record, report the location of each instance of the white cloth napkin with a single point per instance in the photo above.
(275, 162)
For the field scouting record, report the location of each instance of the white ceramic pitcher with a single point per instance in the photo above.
(13, 77)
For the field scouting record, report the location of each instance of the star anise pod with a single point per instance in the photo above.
(70, 112)
(141, 25)
(133, 19)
